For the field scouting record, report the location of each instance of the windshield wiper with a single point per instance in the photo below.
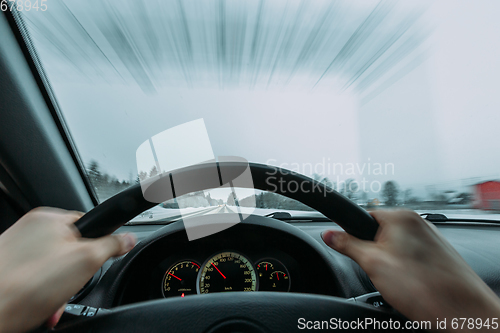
(163, 221)
(435, 218)
(432, 217)
(280, 215)
(285, 216)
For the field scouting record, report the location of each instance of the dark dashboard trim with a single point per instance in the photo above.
(108, 289)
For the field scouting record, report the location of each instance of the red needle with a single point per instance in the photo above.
(277, 275)
(178, 278)
(218, 270)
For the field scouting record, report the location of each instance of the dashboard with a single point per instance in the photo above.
(292, 249)
(258, 255)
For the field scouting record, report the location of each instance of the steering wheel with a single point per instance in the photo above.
(235, 311)
(116, 211)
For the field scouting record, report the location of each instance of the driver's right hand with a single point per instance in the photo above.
(417, 270)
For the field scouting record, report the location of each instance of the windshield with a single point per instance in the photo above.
(390, 103)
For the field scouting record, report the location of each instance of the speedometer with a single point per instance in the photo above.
(227, 271)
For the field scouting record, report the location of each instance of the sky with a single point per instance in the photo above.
(424, 111)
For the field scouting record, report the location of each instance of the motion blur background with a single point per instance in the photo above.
(400, 94)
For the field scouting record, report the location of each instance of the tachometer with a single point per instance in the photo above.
(227, 271)
(180, 279)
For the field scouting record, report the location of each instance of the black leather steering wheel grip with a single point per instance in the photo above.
(119, 209)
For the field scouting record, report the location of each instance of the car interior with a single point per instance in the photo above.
(169, 282)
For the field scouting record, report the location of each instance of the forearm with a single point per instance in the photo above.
(484, 316)
(474, 308)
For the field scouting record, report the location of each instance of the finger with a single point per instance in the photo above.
(112, 245)
(387, 217)
(381, 216)
(72, 216)
(54, 319)
(64, 216)
(76, 213)
(347, 244)
(54, 210)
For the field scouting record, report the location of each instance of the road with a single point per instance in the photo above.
(158, 213)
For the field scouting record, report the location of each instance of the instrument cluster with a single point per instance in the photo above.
(224, 271)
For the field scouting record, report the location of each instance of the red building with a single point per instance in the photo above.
(487, 195)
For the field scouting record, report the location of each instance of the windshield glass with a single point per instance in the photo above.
(391, 103)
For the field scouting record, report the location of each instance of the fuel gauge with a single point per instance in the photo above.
(273, 276)
(280, 281)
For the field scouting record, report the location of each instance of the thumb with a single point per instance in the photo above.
(346, 244)
(113, 245)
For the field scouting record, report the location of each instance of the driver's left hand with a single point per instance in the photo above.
(43, 262)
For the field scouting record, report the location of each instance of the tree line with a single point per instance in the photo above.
(105, 186)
